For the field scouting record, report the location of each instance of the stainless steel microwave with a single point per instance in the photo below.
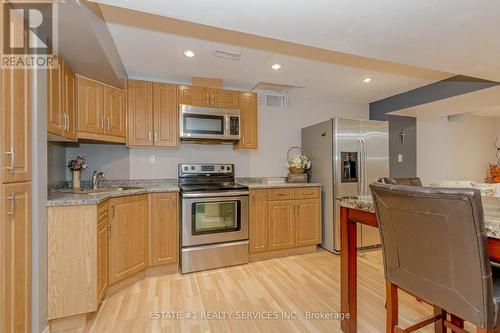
(202, 123)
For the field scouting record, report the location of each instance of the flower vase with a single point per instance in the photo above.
(76, 179)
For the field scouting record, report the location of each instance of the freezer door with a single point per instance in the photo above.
(317, 143)
(375, 150)
(346, 140)
(375, 164)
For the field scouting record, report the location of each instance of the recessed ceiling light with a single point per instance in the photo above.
(368, 79)
(276, 67)
(189, 53)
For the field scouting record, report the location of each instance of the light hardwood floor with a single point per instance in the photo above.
(296, 284)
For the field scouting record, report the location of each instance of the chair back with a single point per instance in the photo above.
(435, 246)
(409, 181)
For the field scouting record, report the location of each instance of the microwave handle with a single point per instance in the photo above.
(227, 125)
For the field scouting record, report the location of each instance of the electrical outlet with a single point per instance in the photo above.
(152, 159)
(400, 158)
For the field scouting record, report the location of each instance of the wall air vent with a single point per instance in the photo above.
(227, 55)
(274, 94)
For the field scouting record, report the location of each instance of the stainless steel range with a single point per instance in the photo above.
(214, 217)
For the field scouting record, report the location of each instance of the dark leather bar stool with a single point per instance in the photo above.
(435, 246)
(410, 181)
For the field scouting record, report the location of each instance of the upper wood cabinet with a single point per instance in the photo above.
(61, 103)
(114, 111)
(258, 221)
(140, 113)
(101, 111)
(248, 120)
(164, 233)
(16, 125)
(208, 97)
(153, 116)
(197, 96)
(128, 244)
(166, 115)
(224, 99)
(15, 247)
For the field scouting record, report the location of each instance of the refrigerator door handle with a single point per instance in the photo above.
(365, 171)
(360, 168)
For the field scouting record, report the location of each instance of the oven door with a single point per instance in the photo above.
(210, 218)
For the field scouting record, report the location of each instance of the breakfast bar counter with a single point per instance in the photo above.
(360, 209)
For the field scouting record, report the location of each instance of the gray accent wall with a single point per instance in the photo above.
(379, 110)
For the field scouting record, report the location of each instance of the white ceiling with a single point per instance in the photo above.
(158, 55)
(455, 36)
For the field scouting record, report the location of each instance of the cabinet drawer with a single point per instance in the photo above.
(279, 194)
(102, 211)
(306, 193)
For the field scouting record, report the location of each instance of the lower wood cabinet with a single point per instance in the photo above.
(128, 245)
(164, 240)
(284, 218)
(102, 252)
(15, 258)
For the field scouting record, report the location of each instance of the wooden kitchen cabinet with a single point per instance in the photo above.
(140, 113)
(61, 103)
(208, 97)
(165, 115)
(16, 125)
(258, 221)
(114, 111)
(164, 233)
(90, 106)
(153, 116)
(192, 95)
(101, 111)
(284, 218)
(128, 244)
(224, 99)
(248, 120)
(15, 254)
(306, 216)
(281, 235)
(102, 253)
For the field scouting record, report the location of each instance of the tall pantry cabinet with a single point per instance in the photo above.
(15, 197)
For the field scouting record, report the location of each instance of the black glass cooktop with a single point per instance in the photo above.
(211, 187)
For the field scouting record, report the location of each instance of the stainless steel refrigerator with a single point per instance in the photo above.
(346, 155)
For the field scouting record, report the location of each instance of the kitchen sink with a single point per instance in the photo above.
(99, 190)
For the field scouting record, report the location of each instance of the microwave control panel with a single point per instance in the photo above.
(234, 125)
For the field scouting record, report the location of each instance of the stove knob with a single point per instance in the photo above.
(192, 167)
(185, 168)
(222, 168)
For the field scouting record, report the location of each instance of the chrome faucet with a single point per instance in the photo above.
(95, 178)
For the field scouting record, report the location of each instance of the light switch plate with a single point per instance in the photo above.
(400, 158)
(152, 159)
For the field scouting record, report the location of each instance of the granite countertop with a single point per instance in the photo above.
(491, 211)
(60, 198)
(256, 183)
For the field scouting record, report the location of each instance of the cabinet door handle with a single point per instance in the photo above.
(149, 136)
(109, 230)
(109, 123)
(67, 121)
(156, 137)
(102, 122)
(12, 160)
(12, 199)
(113, 211)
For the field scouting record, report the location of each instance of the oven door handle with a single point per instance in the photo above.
(215, 194)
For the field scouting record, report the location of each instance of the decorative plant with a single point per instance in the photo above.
(300, 161)
(77, 163)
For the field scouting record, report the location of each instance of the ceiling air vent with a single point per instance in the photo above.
(227, 55)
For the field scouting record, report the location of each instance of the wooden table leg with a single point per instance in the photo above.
(348, 275)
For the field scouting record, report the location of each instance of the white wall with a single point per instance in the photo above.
(456, 150)
(278, 130)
